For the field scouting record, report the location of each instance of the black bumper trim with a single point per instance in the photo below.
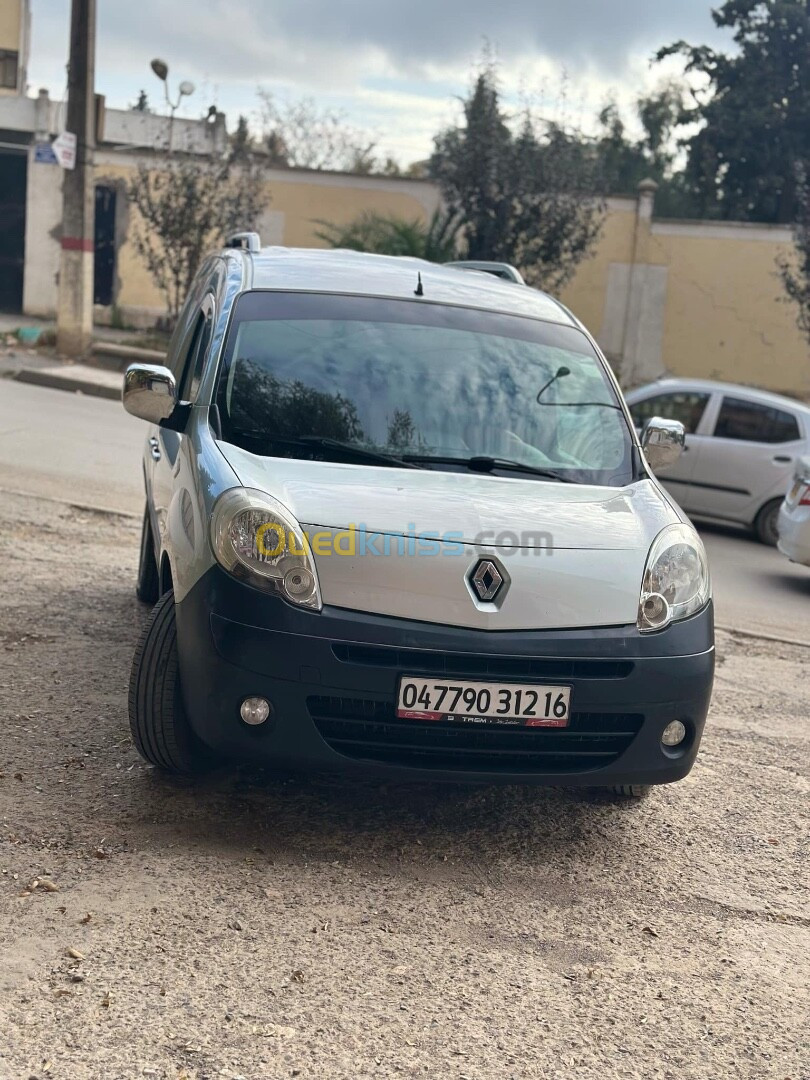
(234, 642)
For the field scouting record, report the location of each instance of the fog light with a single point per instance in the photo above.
(299, 582)
(254, 710)
(674, 734)
(654, 611)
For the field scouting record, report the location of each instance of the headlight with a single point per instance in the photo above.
(676, 579)
(257, 540)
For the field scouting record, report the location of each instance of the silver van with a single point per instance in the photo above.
(398, 522)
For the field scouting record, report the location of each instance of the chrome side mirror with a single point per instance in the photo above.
(149, 392)
(662, 442)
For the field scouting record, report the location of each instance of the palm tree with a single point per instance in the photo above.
(387, 234)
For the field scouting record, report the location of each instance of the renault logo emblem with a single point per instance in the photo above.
(487, 580)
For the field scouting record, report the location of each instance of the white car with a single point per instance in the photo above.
(397, 521)
(741, 448)
(794, 517)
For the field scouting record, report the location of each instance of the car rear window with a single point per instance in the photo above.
(684, 405)
(750, 421)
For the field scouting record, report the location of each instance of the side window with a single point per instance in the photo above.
(685, 405)
(195, 357)
(749, 421)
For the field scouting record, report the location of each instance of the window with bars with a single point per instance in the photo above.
(9, 62)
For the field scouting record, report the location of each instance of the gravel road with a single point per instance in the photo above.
(260, 927)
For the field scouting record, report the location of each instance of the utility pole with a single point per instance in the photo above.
(75, 314)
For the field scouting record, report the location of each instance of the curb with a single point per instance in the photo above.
(736, 632)
(56, 381)
(128, 352)
(90, 508)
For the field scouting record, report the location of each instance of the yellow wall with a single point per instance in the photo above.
(711, 303)
(10, 20)
(11, 32)
(725, 316)
(304, 202)
(585, 294)
(295, 207)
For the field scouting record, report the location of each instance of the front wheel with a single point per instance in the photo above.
(630, 791)
(765, 524)
(157, 718)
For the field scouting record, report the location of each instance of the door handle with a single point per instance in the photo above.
(154, 446)
(783, 459)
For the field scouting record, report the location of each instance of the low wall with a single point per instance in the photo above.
(686, 298)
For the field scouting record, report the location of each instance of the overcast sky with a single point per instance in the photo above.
(394, 66)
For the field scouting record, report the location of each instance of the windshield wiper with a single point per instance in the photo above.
(482, 463)
(324, 442)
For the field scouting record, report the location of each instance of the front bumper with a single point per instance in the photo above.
(793, 527)
(332, 677)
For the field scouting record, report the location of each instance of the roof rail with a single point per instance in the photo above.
(247, 241)
(498, 269)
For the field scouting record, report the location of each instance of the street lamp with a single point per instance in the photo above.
(186, 88)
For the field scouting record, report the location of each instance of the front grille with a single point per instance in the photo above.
(369, 730)
(428, 662)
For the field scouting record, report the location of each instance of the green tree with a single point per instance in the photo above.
(754, 114)
(389, 235)
(186, 205)
(795, 270)
(623, 162)
(530, 198)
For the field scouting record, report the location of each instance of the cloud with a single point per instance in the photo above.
(394, 64)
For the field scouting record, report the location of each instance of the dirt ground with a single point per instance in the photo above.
(255, 926)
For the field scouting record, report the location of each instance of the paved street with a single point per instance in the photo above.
(70, 446)
(249, 926)
(88, 450)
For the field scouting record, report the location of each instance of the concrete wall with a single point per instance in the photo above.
(662, 297)
(43, 232)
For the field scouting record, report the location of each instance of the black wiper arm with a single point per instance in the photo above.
(482, 463)
(352, 448)
(326, 443)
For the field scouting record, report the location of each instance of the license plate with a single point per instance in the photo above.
(461, 701)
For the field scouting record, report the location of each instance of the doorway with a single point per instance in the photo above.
(104, 265)
(13, 177)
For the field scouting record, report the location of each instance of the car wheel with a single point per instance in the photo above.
(147, 587)
(765, 523)
(157, 718)
(630, 791)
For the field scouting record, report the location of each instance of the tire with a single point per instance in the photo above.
(147, 587)
(765, 523)
(157, 717)
(631, 791)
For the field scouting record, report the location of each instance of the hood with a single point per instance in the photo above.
(570, 555)
(402, 502)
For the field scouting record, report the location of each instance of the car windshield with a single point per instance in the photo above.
(413, 383)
